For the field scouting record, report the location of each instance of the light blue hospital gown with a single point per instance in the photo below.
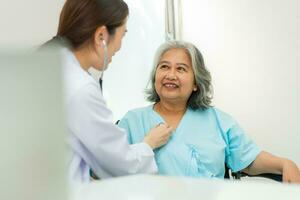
(203, 141)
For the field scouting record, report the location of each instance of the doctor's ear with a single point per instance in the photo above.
(101, 34)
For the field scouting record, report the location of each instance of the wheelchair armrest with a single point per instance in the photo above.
(275, 177)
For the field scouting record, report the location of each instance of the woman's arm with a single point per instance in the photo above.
(267, 163)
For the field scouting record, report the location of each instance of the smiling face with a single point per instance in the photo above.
(174, 77)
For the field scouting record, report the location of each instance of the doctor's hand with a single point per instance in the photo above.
(290, 172)
(158, 135)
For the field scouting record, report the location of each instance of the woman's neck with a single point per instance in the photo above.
(83, 58)
(167, 108)
(171, 113)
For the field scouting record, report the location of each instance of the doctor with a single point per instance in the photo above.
(93, 30)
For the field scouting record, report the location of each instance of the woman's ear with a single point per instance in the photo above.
(195, 88)
(101, 34)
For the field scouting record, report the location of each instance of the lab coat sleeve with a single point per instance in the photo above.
(104, 146)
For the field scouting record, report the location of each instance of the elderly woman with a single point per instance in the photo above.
(204, 137)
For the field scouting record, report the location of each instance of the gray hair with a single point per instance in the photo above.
(202, 97)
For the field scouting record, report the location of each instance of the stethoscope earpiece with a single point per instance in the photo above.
(104, 43)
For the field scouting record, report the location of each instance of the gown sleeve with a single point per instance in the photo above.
(241, 150)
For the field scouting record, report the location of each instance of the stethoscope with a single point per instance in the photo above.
(97, 74)
(105, 62)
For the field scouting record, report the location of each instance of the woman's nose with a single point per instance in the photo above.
(171, 74)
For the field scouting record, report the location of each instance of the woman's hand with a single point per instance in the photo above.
(290, 172)
(158, 135)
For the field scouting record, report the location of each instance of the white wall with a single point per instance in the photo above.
(28, 23)
(252, 49)
(128, 74)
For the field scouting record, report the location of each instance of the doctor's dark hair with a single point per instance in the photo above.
(79, 19)
(202, 97)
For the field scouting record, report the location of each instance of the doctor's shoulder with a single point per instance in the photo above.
(56, 42)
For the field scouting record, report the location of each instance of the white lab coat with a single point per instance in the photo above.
(95, 142)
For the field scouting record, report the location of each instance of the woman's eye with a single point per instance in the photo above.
(181, 69)
(163, 67)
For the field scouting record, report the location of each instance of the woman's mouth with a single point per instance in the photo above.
(170, 85)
